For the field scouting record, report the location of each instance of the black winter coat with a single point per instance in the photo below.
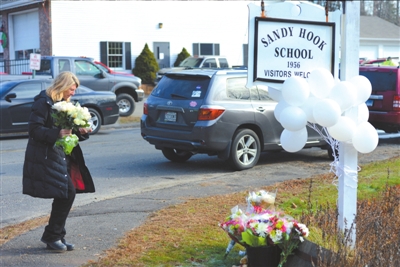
(45, 171)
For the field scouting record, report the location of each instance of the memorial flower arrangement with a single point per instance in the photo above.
(260, 225)
(70, 116)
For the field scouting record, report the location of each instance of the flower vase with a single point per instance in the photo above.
(267, 256)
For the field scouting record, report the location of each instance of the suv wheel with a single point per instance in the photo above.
(96, 120)
(126, 105)
(245, 150)
(176, 155)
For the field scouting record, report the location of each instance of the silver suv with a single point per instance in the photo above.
(212, 112)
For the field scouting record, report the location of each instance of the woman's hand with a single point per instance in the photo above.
(64, 132)
(85, 130)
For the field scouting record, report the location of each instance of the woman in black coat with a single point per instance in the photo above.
(48, 172)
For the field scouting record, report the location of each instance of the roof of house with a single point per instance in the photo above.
(375, 27)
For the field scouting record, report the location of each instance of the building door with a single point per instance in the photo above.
(161, 53)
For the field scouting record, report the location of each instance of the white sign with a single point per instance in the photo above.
(286, 48)
(34, 61)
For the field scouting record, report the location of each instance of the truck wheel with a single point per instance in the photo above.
(126, 105)
(176, 155)
(245, 150)
(96, 120)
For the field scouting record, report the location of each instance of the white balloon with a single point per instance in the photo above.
(363, 113)
(295, 91)
(344, 93)
(308, 106)
(365, 138)
(278, 109)
(321, 82)
(343, 130)
(293, 118)
(326, 112)
(358, 113)
(363, 87)
(294, 141)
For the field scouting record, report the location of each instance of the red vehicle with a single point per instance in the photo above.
(384, 102)
(380, 61)
(110, 71)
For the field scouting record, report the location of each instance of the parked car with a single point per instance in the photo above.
(380, 61)
(384, 102)
(127, 88)
(110, 71)
(212, 112)
(16, 99)
(196, 62)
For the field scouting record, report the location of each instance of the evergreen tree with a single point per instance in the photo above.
(146, 66)
(181, 56)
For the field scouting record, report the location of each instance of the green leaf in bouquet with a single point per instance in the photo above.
(254, 241)
(68, 143)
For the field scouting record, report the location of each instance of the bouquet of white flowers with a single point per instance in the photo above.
(70, 116)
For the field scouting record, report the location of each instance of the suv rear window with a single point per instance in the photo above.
(381, 81)
(182, 87)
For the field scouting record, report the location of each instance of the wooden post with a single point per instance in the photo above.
(348, 155)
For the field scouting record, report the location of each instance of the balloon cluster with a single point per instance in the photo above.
(337, 106)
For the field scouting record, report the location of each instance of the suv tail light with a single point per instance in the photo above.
(145, 109)
(208, 114)
(396, 103)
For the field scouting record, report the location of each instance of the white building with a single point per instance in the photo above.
(378, 38)
(115, 32)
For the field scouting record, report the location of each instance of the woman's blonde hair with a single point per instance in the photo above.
(62, 83)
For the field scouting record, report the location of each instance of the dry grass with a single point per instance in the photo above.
(128, 119)
(378, 238)
(170, 229)
(9, 232)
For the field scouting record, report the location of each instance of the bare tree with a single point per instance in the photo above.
(331, 5)
(385, 9)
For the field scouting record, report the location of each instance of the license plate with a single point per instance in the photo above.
(369, 103)
(170, 116)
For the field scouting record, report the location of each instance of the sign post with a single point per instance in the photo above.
(34, 63)
(348, 155)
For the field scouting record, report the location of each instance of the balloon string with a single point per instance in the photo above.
(335, 166)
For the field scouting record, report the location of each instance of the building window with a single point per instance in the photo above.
(200, 49)
(116, 55)
(25, 54)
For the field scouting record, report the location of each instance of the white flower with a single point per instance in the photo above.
(277, 236)
(261, 229)
(289, 227)
(304, 229)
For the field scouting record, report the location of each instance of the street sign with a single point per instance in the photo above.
(34, 61)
